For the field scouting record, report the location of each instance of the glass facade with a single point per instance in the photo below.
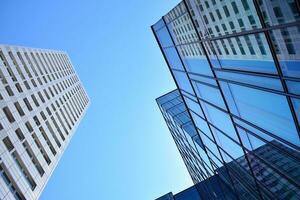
(236, 64)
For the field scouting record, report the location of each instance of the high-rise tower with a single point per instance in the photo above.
(41, 104)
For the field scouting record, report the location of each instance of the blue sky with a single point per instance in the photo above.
(122, 149)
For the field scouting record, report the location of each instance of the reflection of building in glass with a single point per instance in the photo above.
(210, 189)
(236, 66)
(42, 101)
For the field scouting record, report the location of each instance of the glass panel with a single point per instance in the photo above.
(286, 43)
(266, 160)
(201, 124)
(210, 94)
(182, 30)
(209, 80)
(278, 11)
(293, 87)
(228, 145)
(254, 106)
(183, 81)
(193, 106)
(224, 17)
(219, 119)
(194, 59)
(247, 53)
(243, 181)
(212, 148)
(158, 24)
(173, 58)
(265, 82)
(164, 37)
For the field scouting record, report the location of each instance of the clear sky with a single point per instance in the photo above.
(122, 149)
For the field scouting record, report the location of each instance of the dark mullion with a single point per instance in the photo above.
(277, 64)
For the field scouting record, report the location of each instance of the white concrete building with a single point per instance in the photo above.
(42, 101)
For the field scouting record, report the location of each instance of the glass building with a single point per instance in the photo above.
(236, 64)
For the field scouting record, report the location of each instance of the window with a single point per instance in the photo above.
(43, 115)
(277, 12)
(270, 117)
(20, 134)
(241, 23)
(41, 97)
(251, 20)
(249, 44)
(37, 121)
(245, 4)
(27, 104)
(288, 42)
(24, 170)
(8, 144)
(47, 140)
(226, 11)
(234, 6)
(9, 90)
(33, 158)
(218, 13)
(231, 25)
(41, 148)
(19, 109)
(35, 100)
(19, 88)
(10, 183)
(205, 19)
(212, 17)
(8, 114)
(28, 126)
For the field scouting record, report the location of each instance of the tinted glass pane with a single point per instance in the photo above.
(183, 81)
(194, 59)
(202, 125)
(248, 53)
(158, 25)
(228, 145)
(279, 11)
(194, 106)
(286, 43)
(265, 82)
(240, 13)
(210, 94)
(254, 106)
(164, 37)
(293, 87)
(219, 119)
(296, 104)
(173, 58)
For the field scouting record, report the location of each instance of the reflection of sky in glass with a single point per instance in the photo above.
(122, 141)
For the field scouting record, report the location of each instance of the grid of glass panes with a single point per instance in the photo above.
(236, 64)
